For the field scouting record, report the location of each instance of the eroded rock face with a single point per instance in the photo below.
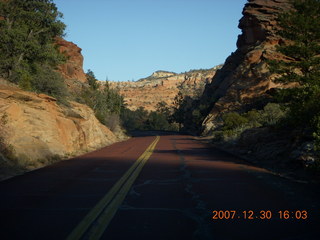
(160, 74)
(245, 76)
(38, 128)
(73, 68)
(163, 86)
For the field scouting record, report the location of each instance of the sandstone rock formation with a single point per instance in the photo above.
(163, 86)
(73, 68)
(245, 77)
(38, 128)
(160, 74)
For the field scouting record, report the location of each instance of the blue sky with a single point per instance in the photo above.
(129, 39)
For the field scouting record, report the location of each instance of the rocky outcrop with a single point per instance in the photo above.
(160, 74)
(245, 78)
(38, 128)
(163, 86)
(72, 69)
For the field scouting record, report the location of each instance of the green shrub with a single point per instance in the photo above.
(254, 118)
(234, 123)
(23, 78)
(233, 120)
(141, 119)
(48, 81)
(42, 79)
(272, 113)
(134, 120)
(157, 121)
(316, 133)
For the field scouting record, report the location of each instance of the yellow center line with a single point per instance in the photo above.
(106, 208)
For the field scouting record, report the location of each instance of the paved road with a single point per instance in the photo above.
(151, 188)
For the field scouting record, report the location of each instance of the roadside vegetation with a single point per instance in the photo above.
(29, 58)
(107, 103)
(173, 117)
(28, 54)
(301, 27)
(234, 124)
(142, 120)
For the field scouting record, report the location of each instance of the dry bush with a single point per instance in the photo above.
(113, 121)
(3, 133)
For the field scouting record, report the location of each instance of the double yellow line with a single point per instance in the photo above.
(97, 220)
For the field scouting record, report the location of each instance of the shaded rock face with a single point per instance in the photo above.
(163, 86)
(73, 68)
(38, 128)
(245, 77)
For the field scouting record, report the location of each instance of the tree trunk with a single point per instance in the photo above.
(9, 73)
(19, 60)
(9, 23)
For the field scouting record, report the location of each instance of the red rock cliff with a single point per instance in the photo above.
(73, 68)
(245, 77)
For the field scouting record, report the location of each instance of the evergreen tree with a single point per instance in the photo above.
(178, 109)
(162, 107)
(28, 29)
(92, 80)
(105, 101)
(157, 121)
(301, 27)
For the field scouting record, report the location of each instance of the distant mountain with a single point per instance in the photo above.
(163, 86)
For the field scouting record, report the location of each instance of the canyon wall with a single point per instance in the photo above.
(73, 68)
(245, 79)
(163, 86)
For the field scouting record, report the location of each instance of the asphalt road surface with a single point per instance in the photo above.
(149, 187)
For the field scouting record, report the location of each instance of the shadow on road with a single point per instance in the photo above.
(155, 133)
(173, 197)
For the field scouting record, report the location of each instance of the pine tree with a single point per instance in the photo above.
(178, 109)
(27, 30)
(301, 28)
(93, 82)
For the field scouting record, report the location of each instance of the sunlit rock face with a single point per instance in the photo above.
(73, 68)
(245, 77)
(38, 128)
(163, 86)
